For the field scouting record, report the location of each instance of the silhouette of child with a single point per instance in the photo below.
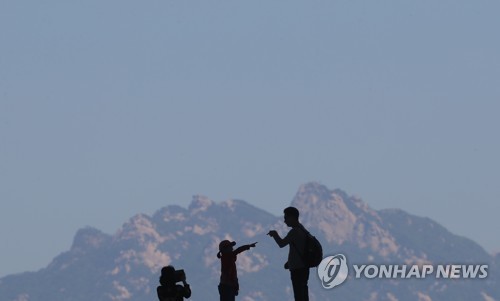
(229, 286)
(169, 290)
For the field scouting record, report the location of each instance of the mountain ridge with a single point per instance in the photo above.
(125, 265)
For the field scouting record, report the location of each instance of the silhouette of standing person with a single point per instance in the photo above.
(229, 286)
(296, 240)
(169, 290)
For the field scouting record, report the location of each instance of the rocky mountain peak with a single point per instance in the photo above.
(343, 219)
(171, 213)
(326, 211)
(126, 266)
(89, 238)
(199, 204)
(139, 227)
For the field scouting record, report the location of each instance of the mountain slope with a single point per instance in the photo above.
(125, 265)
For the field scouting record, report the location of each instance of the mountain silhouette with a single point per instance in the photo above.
(126, 265)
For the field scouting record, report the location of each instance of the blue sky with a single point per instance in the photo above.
(112, 108)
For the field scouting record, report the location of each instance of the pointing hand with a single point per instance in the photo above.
(272, 233)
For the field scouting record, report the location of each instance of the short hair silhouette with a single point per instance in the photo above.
(167, 275)
(292, 211)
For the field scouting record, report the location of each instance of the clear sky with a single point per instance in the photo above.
(112, 108)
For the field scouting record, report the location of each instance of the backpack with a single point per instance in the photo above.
(313, 251)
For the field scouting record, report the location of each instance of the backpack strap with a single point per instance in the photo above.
(306, 243)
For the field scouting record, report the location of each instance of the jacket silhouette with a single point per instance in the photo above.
(169, 290)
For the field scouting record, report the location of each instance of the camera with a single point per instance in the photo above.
(179, 275)
(170, 275)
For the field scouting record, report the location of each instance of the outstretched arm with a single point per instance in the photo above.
(244, 248)
(277, 238)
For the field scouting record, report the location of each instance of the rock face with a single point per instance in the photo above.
(343, 220)
(126, 265)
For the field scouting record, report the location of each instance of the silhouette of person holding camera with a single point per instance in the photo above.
(229, 286)
(296, 240)
(169, 290)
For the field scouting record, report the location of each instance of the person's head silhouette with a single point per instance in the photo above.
(167, 275)
(291, 216)
(225, 246)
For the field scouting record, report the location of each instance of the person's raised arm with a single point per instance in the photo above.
(186, 292)
(244, 248)
(277, 238)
